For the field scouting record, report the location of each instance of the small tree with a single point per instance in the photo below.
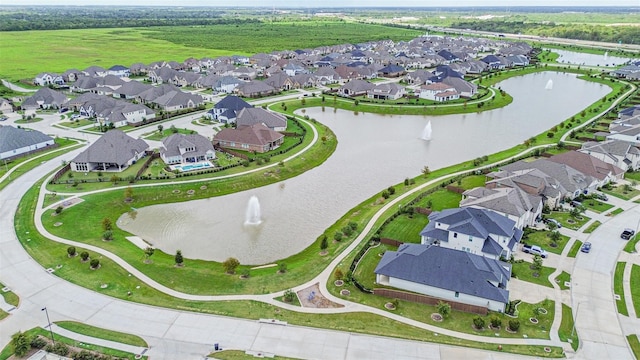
(128, 194)
(444, 309)
(20, 343)
(95, 263)
(347, 231)
(426, 171)
(324, 244)
(282, 268)
(353, 225)
(106, 224)
(338, 274)
(230, 265)
(289, 296)
(115, 179)
(148, 252)
(160, 128)
(478, 322)
(107, 235)
(537, 263)
(496, 322)
(71, 251)
(337, 236)
(173, 129)
(178, 258)
(84, 256)
(555, 237)
(59, 209)
(514, 325)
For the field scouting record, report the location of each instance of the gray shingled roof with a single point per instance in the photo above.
(114, 147)
(570, 178)
(13, 138)
(432, 266)
(256, 134)
(232, 102)
(251, 116)
(172, 144)
(476, 222)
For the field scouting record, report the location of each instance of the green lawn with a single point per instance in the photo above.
(634, 344)
(3, 314)
(543, 239)
(622, 192)
(635, 288)
(157, 136)
(618, 288)
(566, 328)
(77, 123)
(561, 279)
(240, 355)
(594, 225)
(596, 205)
(630, 247)
(565, 218)
(521, 270)
(104, 334)
(405, 228)
(574, 249)
(632, 176)
(616, 211)
(364, 273)
(29, 121)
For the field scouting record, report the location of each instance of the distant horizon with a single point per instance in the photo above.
(335, 3)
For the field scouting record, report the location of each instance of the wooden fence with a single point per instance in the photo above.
(455, 189)
(424, 299)
(391, 242)
(423, 211)
(59, 173)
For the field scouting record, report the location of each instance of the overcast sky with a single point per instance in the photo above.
(331, 3)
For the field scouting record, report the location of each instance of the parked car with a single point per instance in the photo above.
(601, 196)
(627, 233)
(3, 118)
(75, 116)
(586, 247)
(553, 221)
(535, 250)
(575, 203)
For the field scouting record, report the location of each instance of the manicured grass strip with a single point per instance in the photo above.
(630, 247)
(569, 221)
(616, 211)
(543, 239)
(574, 249)
(594, 225)
(635, 288)
(623, 192)
(522, 271)
(566, 328)
(9, 297)
(634, 344)
(104, 334)
(3, 314)
(619, 290)
(562, 278)
(240, 355)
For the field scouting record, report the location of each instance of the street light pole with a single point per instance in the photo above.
(49, 322)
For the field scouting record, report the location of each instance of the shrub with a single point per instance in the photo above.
(289, 295)
(444, 309)
(496, 322)
(353, 225)
(346, 230)
(178, 258)
(514, 325)
(106, 224)
(324, 244)
(338, 274)
(20, 343)
(385, 194)
(245, 163)
(391, 190)
(59, 349)
(282, 267)
(71, 250)
(94, 263)
(230, 265)
(38, 343)
(337, 236)
(246, 273)
(478, 322)
(107, 235)
(59, 209)
(84, 255)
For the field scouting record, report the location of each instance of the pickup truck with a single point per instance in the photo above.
(535, 250)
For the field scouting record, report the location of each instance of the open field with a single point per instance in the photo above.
(27, 53)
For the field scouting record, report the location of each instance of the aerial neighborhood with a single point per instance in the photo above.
(471, 238)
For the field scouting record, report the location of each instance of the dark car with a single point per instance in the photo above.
(586, 247)
(3, 118)
(627, 234)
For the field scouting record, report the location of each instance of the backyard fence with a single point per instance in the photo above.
(424, 299)
(391, 242)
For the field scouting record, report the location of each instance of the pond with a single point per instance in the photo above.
(374, 152)
(578, 58)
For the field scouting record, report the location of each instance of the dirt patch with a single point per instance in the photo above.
(312, 298)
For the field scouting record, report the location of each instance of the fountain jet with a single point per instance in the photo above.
(426, 133)
(253, 216)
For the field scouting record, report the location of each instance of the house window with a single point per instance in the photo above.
(455, 235)
(470, 238)
(457, 294)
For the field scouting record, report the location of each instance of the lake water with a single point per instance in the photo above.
(578, 58)
(374, 152)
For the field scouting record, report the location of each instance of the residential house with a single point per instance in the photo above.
(255, 138)
(84, 84)
(119, 71)
(463, 87)
(387, 91)
(181, 149)
(155, 92)
(623, 154)
(293, 69)
(493, 61)
(355, 88)
(630, 72)
(475, 230)
(446, 274)
(591, 166)
(438, 92)
(523, 208)
(45, 79)
(15, 142)
(107, 110)
(227, 109)
(130, 90)
(44, 98)
(244, 73)
(518, 60)
(392, 71)
(95, 71)
(5, 106)
(250, 116)
(114, 151)
(626, 133)
(71, 75)
(255, 88)
(178, 100)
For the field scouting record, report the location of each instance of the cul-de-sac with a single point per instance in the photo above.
(208, 180)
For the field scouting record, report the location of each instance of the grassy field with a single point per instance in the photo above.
(543, 239)
(27, 53)
(566, 328)
(100, 333)
(619, 290)
(574, 249)
(522, 270)
(562, 278)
